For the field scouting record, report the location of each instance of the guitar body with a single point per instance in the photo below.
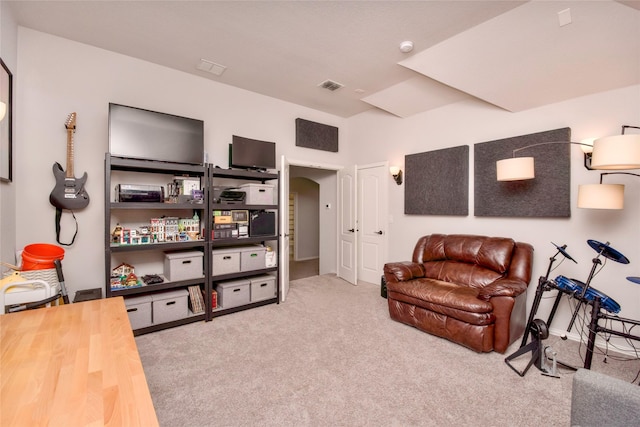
(68, 193)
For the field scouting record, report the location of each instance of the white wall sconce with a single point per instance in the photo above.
(396, 173)
(617, 152)
(521, 168)
(602, 196)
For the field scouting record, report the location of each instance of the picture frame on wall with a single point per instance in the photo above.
(6, 124)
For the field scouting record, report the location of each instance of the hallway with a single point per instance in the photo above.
(302, 269)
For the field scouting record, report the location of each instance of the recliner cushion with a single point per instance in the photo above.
(460, 273)
(459, 302)
(493, 253)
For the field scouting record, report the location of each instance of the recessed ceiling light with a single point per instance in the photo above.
(211, 67)
(406, 46)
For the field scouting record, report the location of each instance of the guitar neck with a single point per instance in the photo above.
(70, 173)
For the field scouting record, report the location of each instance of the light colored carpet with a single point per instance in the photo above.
(331, 356)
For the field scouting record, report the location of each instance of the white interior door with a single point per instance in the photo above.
(284, 229)
(347, 225)
(372, 222)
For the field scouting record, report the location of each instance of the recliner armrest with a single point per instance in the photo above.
(403, 271)
(502, 288)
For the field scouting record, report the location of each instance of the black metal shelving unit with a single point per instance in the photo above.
(139, 166)
(243, 176)
(208, 176)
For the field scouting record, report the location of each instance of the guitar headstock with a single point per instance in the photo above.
(70, 124)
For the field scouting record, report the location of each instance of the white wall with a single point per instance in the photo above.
(58, 76)
(375, 136)
(8, 53)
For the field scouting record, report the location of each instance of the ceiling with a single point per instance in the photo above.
(511, 54)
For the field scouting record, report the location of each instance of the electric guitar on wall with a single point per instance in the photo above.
(69, 192)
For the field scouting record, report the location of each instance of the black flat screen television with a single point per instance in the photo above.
(143, 134)
(246, 153)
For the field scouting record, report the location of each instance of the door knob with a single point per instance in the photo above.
(351, 230)
(379, 232)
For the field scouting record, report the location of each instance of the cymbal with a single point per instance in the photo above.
(562, 250)
(634, 279)
(608, 252)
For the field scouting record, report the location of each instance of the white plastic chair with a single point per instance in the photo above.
(26, 301)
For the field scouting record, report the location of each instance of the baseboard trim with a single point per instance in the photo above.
(307, 259)
(615, 345)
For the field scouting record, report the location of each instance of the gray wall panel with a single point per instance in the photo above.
(548, 195)
(437, 182)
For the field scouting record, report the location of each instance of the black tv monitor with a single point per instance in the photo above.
(246, 153)
(143, 134)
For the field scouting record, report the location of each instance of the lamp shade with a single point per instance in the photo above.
(601, 196)
(515, 169)
(616, 152)
(3, 110)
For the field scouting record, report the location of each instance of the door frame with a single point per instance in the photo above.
(315, 165)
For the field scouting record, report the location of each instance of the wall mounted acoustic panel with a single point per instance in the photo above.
(437, 182)
(316, 135)
(547, 195)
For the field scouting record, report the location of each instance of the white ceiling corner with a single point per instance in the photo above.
(523, 59)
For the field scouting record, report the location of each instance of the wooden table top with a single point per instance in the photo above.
(72, 365)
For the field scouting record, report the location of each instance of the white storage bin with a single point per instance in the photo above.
(258, 194)
(139, 311)
(225, 261)
(252, 258)
(170, 306)
(263, 287)
(183, 265)
(233, 293)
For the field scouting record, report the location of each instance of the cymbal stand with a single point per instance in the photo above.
(596, 261)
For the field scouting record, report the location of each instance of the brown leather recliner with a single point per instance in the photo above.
(465, 288)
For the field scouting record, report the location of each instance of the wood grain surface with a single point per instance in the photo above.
(72, 365)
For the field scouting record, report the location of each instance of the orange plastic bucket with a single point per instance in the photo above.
(40, 256)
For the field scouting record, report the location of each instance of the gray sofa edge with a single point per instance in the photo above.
(598, 400)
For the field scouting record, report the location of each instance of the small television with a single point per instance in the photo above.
(143, 134)
(246, 153)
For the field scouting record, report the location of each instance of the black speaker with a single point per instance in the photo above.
(262, 223)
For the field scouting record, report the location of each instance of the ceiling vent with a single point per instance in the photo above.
(331, 85)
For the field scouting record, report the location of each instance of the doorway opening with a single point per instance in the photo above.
(312, 220)
(304, 228)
